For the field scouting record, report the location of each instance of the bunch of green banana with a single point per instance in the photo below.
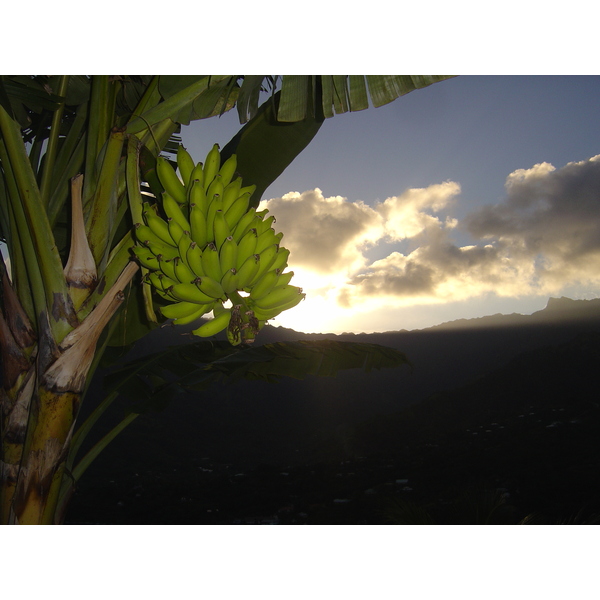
(207, 250)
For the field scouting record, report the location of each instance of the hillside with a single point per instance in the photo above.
(506, 402)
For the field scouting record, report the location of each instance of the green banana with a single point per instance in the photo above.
(158, 226)
(161, 281)
(277, 297)
(267, 257)
(229, 281)
(264, 285)
(198, 173)
(145, 257)
(175, 231)
(169, 180)
(198, 229)
(198, 196)
(183, 273)
(184, 244)
(181, 309)
(173, 211)
(211, 264)
(194, 259)
(185, 163)
(212, 164)
(284, 278)
(167, 266)
(228, 254)
(211, 287)
(231, 193)
(227, 170)
(190, 292)
(246, 247)
(249, 188)
(220, 229)
(281, 259)
(213, 207)
(167, 252)
(244, 224)
(248, 270)
(265, 239)
(216, 188)
(236, 210)
(267, 314)
(265, 224)
(216, 325)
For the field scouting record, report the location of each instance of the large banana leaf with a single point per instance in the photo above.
(153, 380)
(304, 96)
(265, 147)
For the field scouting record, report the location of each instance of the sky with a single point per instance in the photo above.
(474, 196)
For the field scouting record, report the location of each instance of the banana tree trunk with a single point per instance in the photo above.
(42, 387)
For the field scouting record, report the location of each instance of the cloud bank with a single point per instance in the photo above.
(543, 236)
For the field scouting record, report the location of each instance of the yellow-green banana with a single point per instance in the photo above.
(247, 271)
(211, 287)
(185, 164)
(170, 181)
(213, 207)
(173, 211)
(212, 164)
(181, 309)
(194, 259)
(228, 254)
(198, 196)
(236, 210)
(145, 257)
(264, 285)
(231, 193)
(244, 224)
(281, 259)
(167, 252)
(158, 226)
(211, 264)
(190, 292)
(265, 239)
(229, 281)
(216, 188)
(277, 297)
(220, 229)
(267, 256)
(198, 173)
(183, 273)
(175, 231)
(246, 247)
(227, 170)
(214, 326)
(167, 266)
(198, 229)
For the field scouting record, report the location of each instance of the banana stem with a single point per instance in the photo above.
(31, 216)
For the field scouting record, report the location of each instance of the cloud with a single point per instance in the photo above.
(551, 218)
(325, 235)
(543, 236)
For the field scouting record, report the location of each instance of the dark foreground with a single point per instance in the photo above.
(519, 445)
(518, 442)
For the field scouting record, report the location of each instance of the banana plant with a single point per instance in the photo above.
(76, 155)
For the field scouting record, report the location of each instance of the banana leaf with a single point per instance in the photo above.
(265, 147)
(154, 380)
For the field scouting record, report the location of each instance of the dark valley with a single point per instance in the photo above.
(496, 423)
